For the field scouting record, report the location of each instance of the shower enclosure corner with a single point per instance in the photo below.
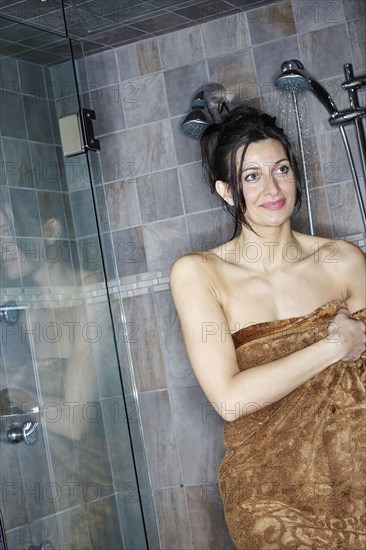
(72, 464)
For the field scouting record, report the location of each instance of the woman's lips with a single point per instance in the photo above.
(275, 205)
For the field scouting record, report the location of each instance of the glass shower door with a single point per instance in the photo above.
(68, 474)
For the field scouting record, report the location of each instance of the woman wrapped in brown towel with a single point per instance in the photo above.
(285, 366)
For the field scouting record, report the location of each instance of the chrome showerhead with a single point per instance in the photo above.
(293, 78)
(207, 105)
(195, 123)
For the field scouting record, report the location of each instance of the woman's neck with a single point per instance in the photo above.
(269, 248)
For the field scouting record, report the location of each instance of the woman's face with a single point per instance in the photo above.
(268, 183)
(12, 258)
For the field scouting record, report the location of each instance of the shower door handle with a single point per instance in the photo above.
(26, 432)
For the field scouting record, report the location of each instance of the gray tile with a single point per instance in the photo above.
(233, 33)
(101, 69)
(37, 479)
(144, 343)
(46, 529)
(9, 125)
(107, 103)
(159, 196)
(160, 23)
(311, 17)
(62, 81)
(324, 51)
(269, 57)
(210, 229)
(38, 119)
(104, 528)
(18, 169)
(101, 208)
(161, 447)
(90, 262)
(177, 365)
(15, 512)
(272, 22)
(83, 213)
(207, 517)
(196, 192)
(187, 149)
(129, 250)
(122, 204)
(160, 252)
(354, 9)
(108, 256)
(199, 435)
(181, 85)
(144, 100)
(74, 529)
(3, 169)
(320, 212)
(119, 442)
(9, 78)
(20, 537)
(25, 212)
(76, 172)
(138, 59)
(204, 11)
(334, 162)
(236, 72)
(173, 519)
(357, 30)
(151, 147)
(181, 47)
(32, 81)
(130, 514)
(46, 167)
(344, 209)
(115, 157)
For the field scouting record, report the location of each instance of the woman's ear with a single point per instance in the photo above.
(223, 190)
(52, 228)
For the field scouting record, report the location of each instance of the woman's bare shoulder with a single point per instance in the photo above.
(194, 263)
(336, 250)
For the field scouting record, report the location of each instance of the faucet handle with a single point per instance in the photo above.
(26, 432)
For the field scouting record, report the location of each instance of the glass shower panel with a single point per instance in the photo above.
(67, 462)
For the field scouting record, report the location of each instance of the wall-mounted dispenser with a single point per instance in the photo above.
(77, 133)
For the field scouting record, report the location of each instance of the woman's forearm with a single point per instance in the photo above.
(258, 387)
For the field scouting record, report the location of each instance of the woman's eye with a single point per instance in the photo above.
(284, 169)
(253, 176)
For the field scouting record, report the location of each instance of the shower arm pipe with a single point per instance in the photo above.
(353, 99)
(354, 176)
(306, 179)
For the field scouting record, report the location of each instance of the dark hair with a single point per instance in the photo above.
(220, 143)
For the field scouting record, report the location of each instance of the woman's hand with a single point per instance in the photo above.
(348, 334)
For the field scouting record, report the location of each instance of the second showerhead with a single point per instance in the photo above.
(207, 105)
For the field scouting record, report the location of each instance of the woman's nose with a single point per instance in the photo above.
(271, 185)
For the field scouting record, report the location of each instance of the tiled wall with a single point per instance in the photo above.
(159, 208)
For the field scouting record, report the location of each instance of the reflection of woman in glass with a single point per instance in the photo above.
(274, 325)
(64, 357)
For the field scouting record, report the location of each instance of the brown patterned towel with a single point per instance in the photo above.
(294, 474)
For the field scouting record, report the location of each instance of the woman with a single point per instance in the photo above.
(274, 325)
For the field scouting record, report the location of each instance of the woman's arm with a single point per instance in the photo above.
(212, 354)
(353, 275)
